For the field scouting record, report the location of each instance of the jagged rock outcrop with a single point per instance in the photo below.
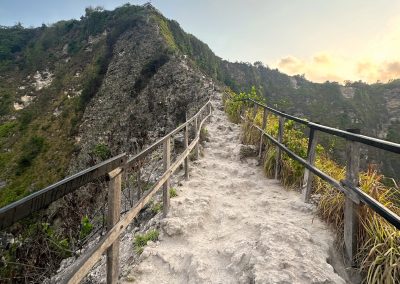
(145, 93)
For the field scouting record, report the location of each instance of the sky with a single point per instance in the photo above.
(324, 40)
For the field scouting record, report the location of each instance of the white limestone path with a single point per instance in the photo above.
(230, 224)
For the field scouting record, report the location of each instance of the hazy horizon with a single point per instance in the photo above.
(325, 41)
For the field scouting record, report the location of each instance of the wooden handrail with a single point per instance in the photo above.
(83, 266)
(112, 170)
(24, 207)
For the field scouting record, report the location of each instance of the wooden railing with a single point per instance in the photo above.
(112, 169)
(354, 196)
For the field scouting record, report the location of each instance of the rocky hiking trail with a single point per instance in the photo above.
(231, 224)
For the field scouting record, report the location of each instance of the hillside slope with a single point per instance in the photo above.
(78, 92)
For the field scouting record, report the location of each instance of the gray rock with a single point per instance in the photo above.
(247, 151)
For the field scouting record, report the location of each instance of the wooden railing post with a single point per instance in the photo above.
(139, 183)
(167, 163)
(196, 129)
(210, 111)
(264, 124)
(351, 208)
(186, 134)
(114, 210)
(308, 176)
(278, 150)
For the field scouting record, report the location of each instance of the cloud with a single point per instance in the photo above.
(320, 68)
(322, 59)
(291, 64)
(329, 67)
(379, 60)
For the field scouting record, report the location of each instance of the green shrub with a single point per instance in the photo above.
(156, 207)
(6, 128)
(30, 151)
(203, 134)
(141, 240)
(172, 192)
(86, 227)
(102, 151)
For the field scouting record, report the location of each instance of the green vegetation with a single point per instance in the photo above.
(31, 150)
(378, 240)
(45, 253)
(172, 192)
(141, 240)
(7, 128)
(203, 134)
(102, 151)
(86, 228)
(36, 146)
(156, 207)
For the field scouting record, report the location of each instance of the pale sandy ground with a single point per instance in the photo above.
(230, 224)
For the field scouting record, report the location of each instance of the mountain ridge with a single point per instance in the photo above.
(61, 73)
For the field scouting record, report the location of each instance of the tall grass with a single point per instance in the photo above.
(379, 242)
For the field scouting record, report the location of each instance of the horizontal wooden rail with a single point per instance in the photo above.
(131, 161)
(83, 266)
(43, 198)
(112, 170)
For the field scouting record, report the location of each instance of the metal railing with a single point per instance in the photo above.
(350, 186)
(112, 169)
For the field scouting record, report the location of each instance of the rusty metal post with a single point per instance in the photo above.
(278, 158)
(264, 124)
(351, 208)
(308, 176)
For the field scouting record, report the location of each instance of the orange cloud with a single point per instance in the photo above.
(378, 60)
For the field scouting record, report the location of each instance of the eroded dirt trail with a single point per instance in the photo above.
(230, 224)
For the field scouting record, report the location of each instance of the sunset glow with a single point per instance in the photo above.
(379, 60)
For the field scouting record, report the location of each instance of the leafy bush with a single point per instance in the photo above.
(6, 128)
(156, 207)
(31, 150)
(172, 192)
(141, 240)
(102, 151)
(86, 228)
(235, 102)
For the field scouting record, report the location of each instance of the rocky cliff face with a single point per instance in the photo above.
(78, 92)
(146, 92)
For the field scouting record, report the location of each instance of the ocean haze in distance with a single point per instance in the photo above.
(325, 40)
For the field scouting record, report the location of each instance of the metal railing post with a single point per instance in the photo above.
(114, 210)
(278, 150)
(308, 176)
(351, 208)
(255, 110)
(167, 163)
(264, 124)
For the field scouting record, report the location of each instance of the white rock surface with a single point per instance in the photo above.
(230, 224)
